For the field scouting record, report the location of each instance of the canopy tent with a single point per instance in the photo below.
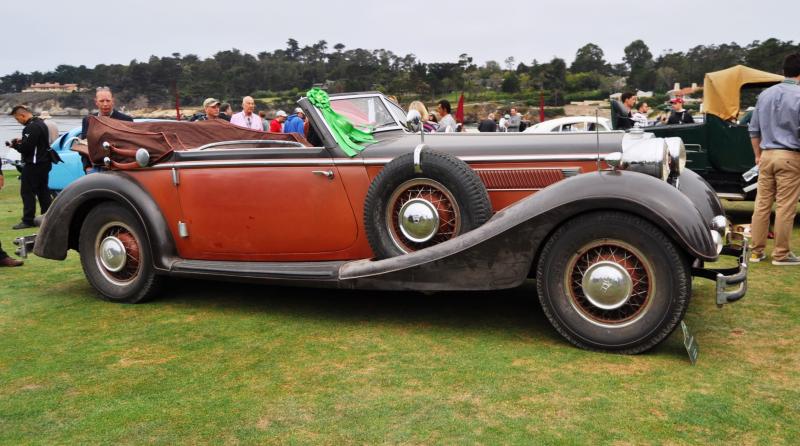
(721, 89)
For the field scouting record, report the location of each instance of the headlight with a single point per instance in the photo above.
(677, 156)
(645, 155)
(719, 223)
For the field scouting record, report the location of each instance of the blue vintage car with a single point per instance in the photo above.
(71, 169)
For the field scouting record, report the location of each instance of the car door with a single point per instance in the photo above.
(263, 204)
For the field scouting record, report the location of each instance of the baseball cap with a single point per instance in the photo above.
(280, 113)
(298, 110)
(17, 108)
(676, 101)
(210, 102)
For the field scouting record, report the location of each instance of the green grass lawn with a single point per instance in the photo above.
(211, 362)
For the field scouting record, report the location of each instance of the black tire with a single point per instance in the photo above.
(614, 318)
(445, 181)
(135, 281)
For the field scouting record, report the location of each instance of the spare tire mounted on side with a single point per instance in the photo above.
(406, 210)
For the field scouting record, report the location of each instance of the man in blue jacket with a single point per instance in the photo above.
(295, 123)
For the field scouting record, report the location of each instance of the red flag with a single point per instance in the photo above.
(541, 106)
(460, 110)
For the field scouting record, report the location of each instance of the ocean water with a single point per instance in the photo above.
(10, 128)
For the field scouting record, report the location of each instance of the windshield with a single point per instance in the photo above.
(367, 112)
(398, 112)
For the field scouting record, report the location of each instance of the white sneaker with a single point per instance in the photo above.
(790, 259)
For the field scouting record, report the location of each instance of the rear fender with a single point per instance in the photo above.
(61, 228)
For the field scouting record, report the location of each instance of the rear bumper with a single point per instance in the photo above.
(24, 245)
(731, 282)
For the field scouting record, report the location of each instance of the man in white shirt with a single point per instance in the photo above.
(246, 118)
(640, 118)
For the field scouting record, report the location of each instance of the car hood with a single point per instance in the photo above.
(393, 144)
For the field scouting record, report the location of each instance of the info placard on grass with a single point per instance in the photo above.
(690, 342)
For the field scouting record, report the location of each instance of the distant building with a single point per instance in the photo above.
(52, 86)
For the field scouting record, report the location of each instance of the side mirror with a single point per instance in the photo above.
(142, 157)
(413, 119)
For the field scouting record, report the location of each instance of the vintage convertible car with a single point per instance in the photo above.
(610, 225)
(572, 124)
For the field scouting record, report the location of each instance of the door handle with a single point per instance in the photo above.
(326, 173)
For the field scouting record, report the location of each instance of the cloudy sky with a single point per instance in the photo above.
(43, 34)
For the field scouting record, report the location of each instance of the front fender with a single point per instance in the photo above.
(61, 226)
(701, 194)
(500, 253)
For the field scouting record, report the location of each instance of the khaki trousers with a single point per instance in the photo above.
(778, 182)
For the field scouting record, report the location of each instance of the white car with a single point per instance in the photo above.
(572, 124)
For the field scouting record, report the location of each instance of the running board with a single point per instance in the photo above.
(323, 271)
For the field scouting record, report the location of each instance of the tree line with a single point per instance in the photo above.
(288, 72)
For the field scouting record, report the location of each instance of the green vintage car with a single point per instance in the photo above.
(719, 148)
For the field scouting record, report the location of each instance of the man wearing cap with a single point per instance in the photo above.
(679, 115)
(211, 109)
(276, 125)
(775, 137)
(295, 123)
(246, 118)
(34, 148)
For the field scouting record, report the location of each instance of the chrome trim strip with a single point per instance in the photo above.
(241, 142)
(244, 163)
(378, 161)
(731, 196)
(546, 157)
(562, 169)
(348, 161)
(696, 148)
(515, 190)
(510, 158)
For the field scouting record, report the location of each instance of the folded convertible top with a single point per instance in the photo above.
(161, 138)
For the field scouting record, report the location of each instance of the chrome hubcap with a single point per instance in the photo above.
(607, 285)
(610, 283)
(420, 213)
(112, 254)
(419, 220)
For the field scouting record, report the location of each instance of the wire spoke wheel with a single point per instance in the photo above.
(433, 196)
(117, 253)
(413, 204)
(610, 282)
(116, 256)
